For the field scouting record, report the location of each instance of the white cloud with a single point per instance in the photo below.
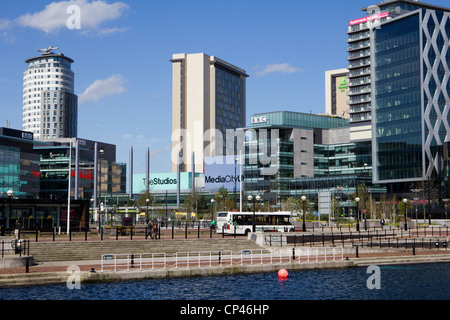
(103, 88)
(284, 68)
(154, 153)
(4, 23)
(54, 17)
(108, 31)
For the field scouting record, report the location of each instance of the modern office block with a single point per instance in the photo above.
(209, 97)
(50, 107)
(290, 153)
(359, 75)
(57, 156)
(19, 165)
(410, 101)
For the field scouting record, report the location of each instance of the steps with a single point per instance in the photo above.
(93, 250)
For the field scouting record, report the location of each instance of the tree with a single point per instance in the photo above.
(401, 207)
(142, 201)
(364, 203)
(293, 205)
(223, 201)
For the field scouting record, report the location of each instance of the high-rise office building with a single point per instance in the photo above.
(336, 89)
(410, 101)
(50, 107)
(209, 97)
(359, 75)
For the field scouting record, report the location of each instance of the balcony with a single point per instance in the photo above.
(359, 99)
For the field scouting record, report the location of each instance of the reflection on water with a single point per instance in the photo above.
(402, 282)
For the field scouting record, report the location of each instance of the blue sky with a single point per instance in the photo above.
(122, 52)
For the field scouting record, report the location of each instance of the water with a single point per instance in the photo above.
(400, 282)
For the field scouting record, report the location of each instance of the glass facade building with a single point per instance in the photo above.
(56, 158)
(410, 73)
(290, 154)
(19, 165)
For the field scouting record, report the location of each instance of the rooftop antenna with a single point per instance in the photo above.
(48, 50)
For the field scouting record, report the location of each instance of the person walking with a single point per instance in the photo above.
(150, 229)
(17, 230)
(155, 230)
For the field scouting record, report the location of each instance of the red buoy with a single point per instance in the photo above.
(282, 273)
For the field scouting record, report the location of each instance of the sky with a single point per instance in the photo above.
(123, 76)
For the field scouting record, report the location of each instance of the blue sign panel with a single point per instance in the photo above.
(223, 171)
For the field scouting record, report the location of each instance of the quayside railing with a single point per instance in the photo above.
(208, 259)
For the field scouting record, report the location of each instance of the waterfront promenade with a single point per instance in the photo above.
(352, 252)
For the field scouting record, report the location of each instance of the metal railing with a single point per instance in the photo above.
(208, 259)
(15, 246)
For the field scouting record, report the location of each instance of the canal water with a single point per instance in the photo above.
(397, 282)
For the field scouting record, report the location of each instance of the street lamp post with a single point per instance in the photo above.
(357, 199)
(405, 201)
(254, 199)
(235, 178)
(147, 200)
(212, 209)
(304, 213)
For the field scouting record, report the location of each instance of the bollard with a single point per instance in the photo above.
(85, 234)
(173, 226)
(293, 254)
(220, 257)
(70, 235)
(117, 233)
(27, 265)
(357, 253)
(198, 233)
(53, 234)
(36, 234)
(132, 261)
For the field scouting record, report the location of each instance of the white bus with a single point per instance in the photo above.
(221, 220)
(242, 222)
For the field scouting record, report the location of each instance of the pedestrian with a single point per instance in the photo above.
(150, 229)
(382, 223)
(155, 230)
(17, 230)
